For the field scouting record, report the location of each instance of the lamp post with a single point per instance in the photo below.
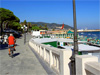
(75, 51)
(25, 29)
(0, 29)
(0, 35)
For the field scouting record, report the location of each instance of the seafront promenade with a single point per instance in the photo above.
(25, 62)
(34, 58)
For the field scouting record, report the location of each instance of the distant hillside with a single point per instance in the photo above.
(52, 25)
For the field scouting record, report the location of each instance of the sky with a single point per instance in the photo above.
(56, 11)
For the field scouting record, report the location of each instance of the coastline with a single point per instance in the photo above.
(98, 30)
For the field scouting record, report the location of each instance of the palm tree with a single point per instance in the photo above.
(25, 22)
(29, 24)
(22, 23)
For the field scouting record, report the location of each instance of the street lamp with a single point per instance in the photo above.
(25, 29)
(75, 51)
(0, 34)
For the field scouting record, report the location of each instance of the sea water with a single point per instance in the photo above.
(95, 35)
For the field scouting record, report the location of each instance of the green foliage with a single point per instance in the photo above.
(34, 25)
(35, 28)
(29, 29)
(22, 23)
(53, 29)
(7, 16)
(14, 25)
(45, 25)
(25, 23)
(29, 25)
(40, 27)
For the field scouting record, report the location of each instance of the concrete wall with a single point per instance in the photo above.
(59, 59)
(87, 65)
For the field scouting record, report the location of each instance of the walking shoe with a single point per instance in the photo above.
(8, 54)
(14, 49)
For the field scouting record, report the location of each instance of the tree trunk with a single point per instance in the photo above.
(1, 29)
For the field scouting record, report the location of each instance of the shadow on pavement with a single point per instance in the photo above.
(5, 46)
(20, 38)
(45, 66)
(16, 54)
(16, 45)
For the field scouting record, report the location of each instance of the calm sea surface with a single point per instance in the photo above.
(91, 34)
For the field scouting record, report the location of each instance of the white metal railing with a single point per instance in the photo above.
(56, 58)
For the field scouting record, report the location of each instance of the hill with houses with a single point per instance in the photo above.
(52, 25)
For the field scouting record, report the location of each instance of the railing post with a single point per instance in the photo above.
(36, 48)
(40, 51)
(57, 63)
(51, 59)
(65, 62)
(48, 56)
(44, 52)
(54, 60)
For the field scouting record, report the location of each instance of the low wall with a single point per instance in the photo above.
(59, 59)
(87, 65)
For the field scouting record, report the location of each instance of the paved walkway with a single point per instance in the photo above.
(24, 63)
